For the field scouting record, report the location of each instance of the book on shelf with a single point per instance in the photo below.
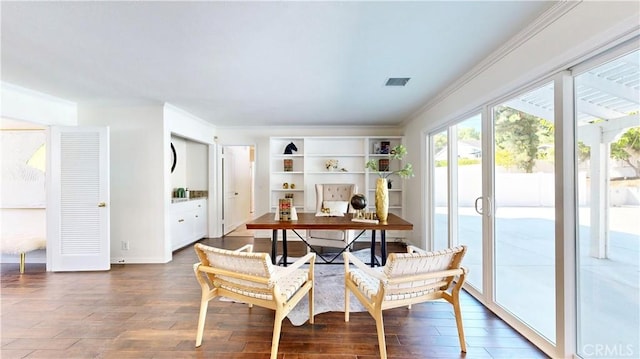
(383, 164)
(288, 165)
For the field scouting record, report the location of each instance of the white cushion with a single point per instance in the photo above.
(336, 206)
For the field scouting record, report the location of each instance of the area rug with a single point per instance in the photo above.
(328, 295)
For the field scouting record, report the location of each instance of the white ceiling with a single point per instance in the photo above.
(256, 63)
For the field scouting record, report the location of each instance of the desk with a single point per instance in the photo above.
(310, 221)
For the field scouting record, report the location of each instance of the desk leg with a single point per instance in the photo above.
(373, 248)
(383, 246)
(284, 246)
(274, 245)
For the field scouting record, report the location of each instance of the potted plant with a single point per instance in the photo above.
(382, 191)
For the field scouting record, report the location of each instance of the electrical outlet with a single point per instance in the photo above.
(125, 245)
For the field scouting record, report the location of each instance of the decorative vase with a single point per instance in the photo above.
(382, 200)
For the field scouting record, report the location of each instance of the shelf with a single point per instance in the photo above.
(337, 155)
(352, 153)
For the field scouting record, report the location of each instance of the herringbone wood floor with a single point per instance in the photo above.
(151, 311)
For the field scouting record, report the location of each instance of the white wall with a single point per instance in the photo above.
(577, 34)
(33, 107)
(197, 166)
(192, 165)
(138, 195)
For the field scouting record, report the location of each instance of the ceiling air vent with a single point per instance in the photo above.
(397, 81)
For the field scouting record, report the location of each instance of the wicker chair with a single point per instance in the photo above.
(251, 278)
(407, 278)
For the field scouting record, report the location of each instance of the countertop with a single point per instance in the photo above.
(177, 200)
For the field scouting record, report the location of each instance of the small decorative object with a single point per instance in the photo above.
(358, 202)
(331, 165)
(344, 170)
(290, 148)
(174, 158)
(285, 185)
(385, 147)
(285, 205)
(382, 200)
(389, 183)
(288, 195)
(292, 186)
(288, 165)
(376, 148)
(382, 189)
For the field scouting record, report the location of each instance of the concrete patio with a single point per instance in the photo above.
(608, 289)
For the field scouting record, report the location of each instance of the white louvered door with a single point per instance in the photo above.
(78, 222)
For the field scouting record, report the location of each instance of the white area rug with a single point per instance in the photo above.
(328, 291)
(328, 294)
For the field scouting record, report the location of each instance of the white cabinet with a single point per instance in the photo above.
(188, 222)
(308, 167)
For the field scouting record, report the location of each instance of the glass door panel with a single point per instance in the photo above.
(608, 148)
(524, 228)
(467, 186)
(440, 191)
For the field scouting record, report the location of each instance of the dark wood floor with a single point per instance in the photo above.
(151, 311)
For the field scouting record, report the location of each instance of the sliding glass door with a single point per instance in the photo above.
(549, 206)
(440, 190)
(608, 148)
(524, 214)
(457, 192)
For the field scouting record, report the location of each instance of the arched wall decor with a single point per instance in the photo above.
(174, 158)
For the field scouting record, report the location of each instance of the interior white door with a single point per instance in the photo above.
(229, 190)
(237, 183)
(78, 220)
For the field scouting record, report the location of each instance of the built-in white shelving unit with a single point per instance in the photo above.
(308, 169)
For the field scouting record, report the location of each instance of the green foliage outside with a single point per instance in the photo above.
(521, 139)
(440, 142)
(517, 133)
(627, 149)
(461, 162)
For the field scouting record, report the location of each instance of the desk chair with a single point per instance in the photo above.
(335, 198)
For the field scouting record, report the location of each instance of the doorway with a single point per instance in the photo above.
(238, 179)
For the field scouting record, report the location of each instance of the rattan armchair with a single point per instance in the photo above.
(407, 278)
(251, 278)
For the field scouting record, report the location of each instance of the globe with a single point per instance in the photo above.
(358, 201)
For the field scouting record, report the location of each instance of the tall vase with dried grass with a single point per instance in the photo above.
(382, 190)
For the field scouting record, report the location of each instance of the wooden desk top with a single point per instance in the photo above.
(310, 221)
